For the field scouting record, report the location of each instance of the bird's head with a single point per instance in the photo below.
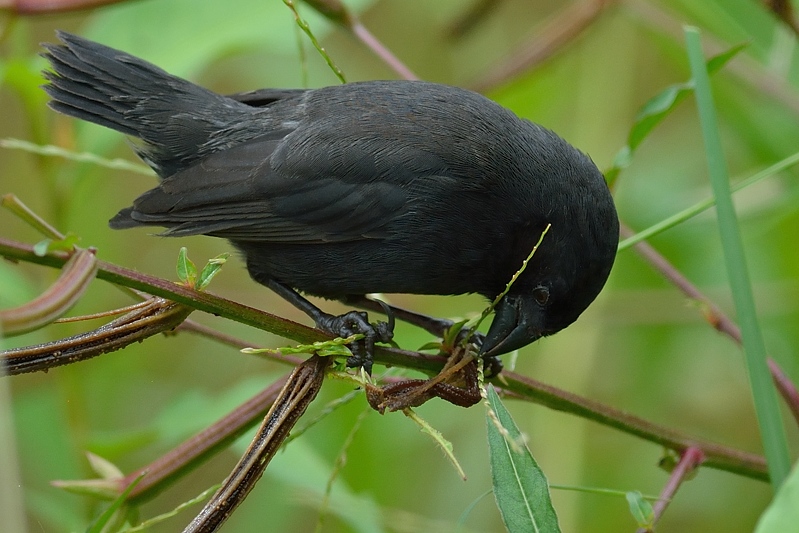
(563, 277)
(544, 303)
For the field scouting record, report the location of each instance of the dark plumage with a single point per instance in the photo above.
(383, 186)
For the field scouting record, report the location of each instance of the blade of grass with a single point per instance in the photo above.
(81, 157)
(704, 205)
(764, 394)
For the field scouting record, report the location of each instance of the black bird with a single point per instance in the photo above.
(380, 186)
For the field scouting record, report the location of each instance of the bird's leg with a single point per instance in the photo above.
(434, 326)
(350, 323)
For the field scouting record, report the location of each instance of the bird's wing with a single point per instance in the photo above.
(237, 194)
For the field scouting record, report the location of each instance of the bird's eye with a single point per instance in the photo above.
(541, 295)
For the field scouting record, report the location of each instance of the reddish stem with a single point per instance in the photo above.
(690, 459)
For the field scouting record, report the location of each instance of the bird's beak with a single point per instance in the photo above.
(517, 323)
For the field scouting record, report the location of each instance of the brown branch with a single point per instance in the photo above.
(215, 305)
(158, 316)
(381, 51)
(720, 457)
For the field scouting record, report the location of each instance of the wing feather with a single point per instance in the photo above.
(236, 194)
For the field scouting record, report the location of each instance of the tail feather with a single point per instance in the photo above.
(174, 117)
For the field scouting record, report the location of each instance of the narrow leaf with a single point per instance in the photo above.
(706, 204)
(336, 347)
(475, 322)
(658, 108)
(103, 467)
(25, 213)
(187, 270)
(103, 489)
(767, 408)
(83, 157)
(210, 270)
(520, 487)
(641, 509)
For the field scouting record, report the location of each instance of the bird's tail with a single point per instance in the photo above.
(174, 117)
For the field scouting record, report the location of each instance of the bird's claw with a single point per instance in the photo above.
(357, 322)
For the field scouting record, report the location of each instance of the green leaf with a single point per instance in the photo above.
(187, 270)
(451, 334)
(211, 269)
(335, 347)
(103, 489)
(658, 108)
(105, 518)
(641, 509)
(67, 244)
(716, 62)
(103, 467)
(432, 345)
(520, 487)
(782, 514)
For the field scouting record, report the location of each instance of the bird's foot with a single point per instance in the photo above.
(353, 323)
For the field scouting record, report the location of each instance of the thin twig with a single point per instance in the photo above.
(380, 50)
(714, 316)
(690, 459)
(475, 14)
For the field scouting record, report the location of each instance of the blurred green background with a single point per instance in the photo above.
(641, 347)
